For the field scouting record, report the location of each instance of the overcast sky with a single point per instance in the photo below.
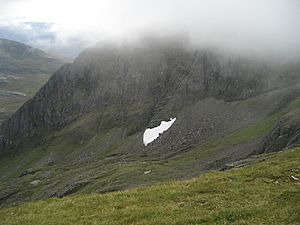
(257, 25)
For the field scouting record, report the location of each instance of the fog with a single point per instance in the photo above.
(265, 27)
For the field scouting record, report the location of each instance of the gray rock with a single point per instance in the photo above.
(35, 182)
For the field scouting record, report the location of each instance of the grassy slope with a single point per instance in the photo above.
(262, 193)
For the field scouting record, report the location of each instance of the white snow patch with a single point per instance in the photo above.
(151, 134)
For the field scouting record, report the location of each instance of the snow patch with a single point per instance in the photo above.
(151, 134)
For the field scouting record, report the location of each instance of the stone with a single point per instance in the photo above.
(35, 182)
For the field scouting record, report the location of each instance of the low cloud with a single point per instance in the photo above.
(267, 27)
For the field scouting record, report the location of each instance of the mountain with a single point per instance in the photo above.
(262, 190)
(83, 130)
(23, 70)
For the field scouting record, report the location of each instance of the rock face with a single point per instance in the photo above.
(285, 134)
(83, 130)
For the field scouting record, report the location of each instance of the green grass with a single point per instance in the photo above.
(263, 193)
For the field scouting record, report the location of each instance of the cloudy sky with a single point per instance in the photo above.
(65, 27)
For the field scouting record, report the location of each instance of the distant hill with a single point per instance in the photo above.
(23, 70)
(18, 58)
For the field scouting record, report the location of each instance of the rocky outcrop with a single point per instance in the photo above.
(285, 134)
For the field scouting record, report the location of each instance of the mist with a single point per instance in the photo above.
(258, 27)
(266, 28)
